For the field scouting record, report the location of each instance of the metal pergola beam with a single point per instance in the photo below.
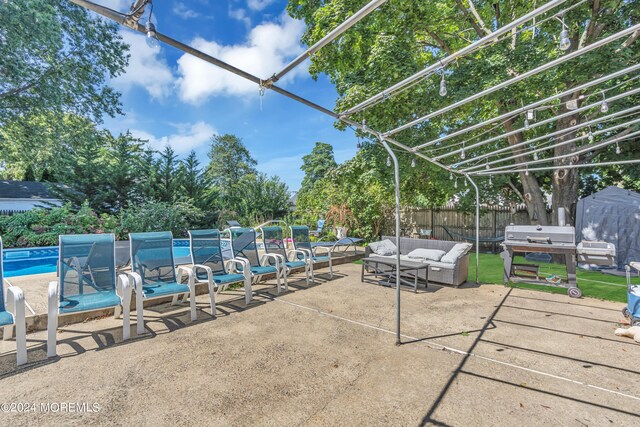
(334, 34)
(455, 56)
(531, 106)
(549, 168)
(470, 170)
(537, 124)
(516, 79)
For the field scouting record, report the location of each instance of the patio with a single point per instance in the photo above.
(325, 355)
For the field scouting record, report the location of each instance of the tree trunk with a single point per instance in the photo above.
(532, 194)
(565, 181)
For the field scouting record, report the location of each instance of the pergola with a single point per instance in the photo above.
(465, 166)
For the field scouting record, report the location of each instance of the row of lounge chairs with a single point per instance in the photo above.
(89, 280)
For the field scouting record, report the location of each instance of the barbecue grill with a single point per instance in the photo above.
(596, 252)
(560, 239)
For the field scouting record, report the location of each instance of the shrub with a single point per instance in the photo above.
(159, 216)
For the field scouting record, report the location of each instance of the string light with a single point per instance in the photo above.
(590, 135)
(450, 175)
(364, 124)
(526, 172)
(465, 182)
(443, 83)
(455, 183)
(152, 37)
(490, 180)
(565, 41)
(388, 161)
(604, 107)
(462, 153)
(535, 156)
(618, 150)
(413, 163)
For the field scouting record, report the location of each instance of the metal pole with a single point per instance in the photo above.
(549, 147)
(396, 174)
(335, 33)
(540, 123)
(551, 134)
(530, 106)
(477, 226)
(456, 56)
(549, 168)
(518, 78)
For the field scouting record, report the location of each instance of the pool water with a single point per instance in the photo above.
(27, 261)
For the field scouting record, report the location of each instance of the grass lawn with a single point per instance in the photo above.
(592, 283)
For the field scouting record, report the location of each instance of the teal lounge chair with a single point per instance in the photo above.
(301, 241)
(244, 247)
(274, 244)
(13, 314)
(87, 281)
(155, 274)
(209, 265)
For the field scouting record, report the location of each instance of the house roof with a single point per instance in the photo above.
(24, 190)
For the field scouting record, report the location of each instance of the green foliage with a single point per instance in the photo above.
(317, 164)
(41, 227)
(405, 36)
(159, 216)
(56, 56)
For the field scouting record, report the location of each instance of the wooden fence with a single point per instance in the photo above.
(493, 221)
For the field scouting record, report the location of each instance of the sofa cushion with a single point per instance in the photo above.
(458, 251)
(384, 247)
(426, 254)
(434, 265)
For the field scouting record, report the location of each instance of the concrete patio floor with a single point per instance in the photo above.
(325, 355)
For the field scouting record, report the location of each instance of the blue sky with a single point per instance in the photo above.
(172, 98)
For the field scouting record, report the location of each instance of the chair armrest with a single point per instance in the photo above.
(275, 257)
(136, 279)
(123, 286)
(243, 262)
(304, 254)
(15, 303)
(328, 250)
(181, 269)
(207, 270)
(52, 297)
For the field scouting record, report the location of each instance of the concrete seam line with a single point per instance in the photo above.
(431, 344)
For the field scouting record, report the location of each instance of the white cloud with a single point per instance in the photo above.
(240, 15)
(181, 9)
(189, 136)
(258, 5)
(269, 46)
(146, 68)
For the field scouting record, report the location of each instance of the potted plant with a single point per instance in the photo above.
(341, 217)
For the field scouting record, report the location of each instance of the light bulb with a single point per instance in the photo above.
(590, 136)
(450, 175)
(152, 38)
(413, 163)
(535, 156)
(443, 86)
(531, 114)
(364, 125)
(486, 166)
(490, 180)
(618, 150)
(565, 41)
(526, 123)
(455, 183)
(462, 154)
(388, 161)
(604, 107)
(465, 182)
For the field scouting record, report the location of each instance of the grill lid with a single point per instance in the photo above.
(540, 234)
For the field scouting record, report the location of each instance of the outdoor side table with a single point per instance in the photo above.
(389, 274)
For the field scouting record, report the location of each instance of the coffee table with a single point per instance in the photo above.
(389, 273)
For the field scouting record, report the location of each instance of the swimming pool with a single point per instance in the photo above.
(27, 261)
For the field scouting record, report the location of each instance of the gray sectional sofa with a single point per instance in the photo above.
(454, 274)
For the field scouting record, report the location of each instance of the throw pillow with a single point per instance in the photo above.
(384, 248)
(426, 254)
(459, 250)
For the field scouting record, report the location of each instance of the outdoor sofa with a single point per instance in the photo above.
(448, 273)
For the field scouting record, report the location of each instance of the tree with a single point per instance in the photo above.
(195, 184)
(317, 164)
(123, 165)
(57, 57)
(169, 176)
(407, 36)
(229, 161)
